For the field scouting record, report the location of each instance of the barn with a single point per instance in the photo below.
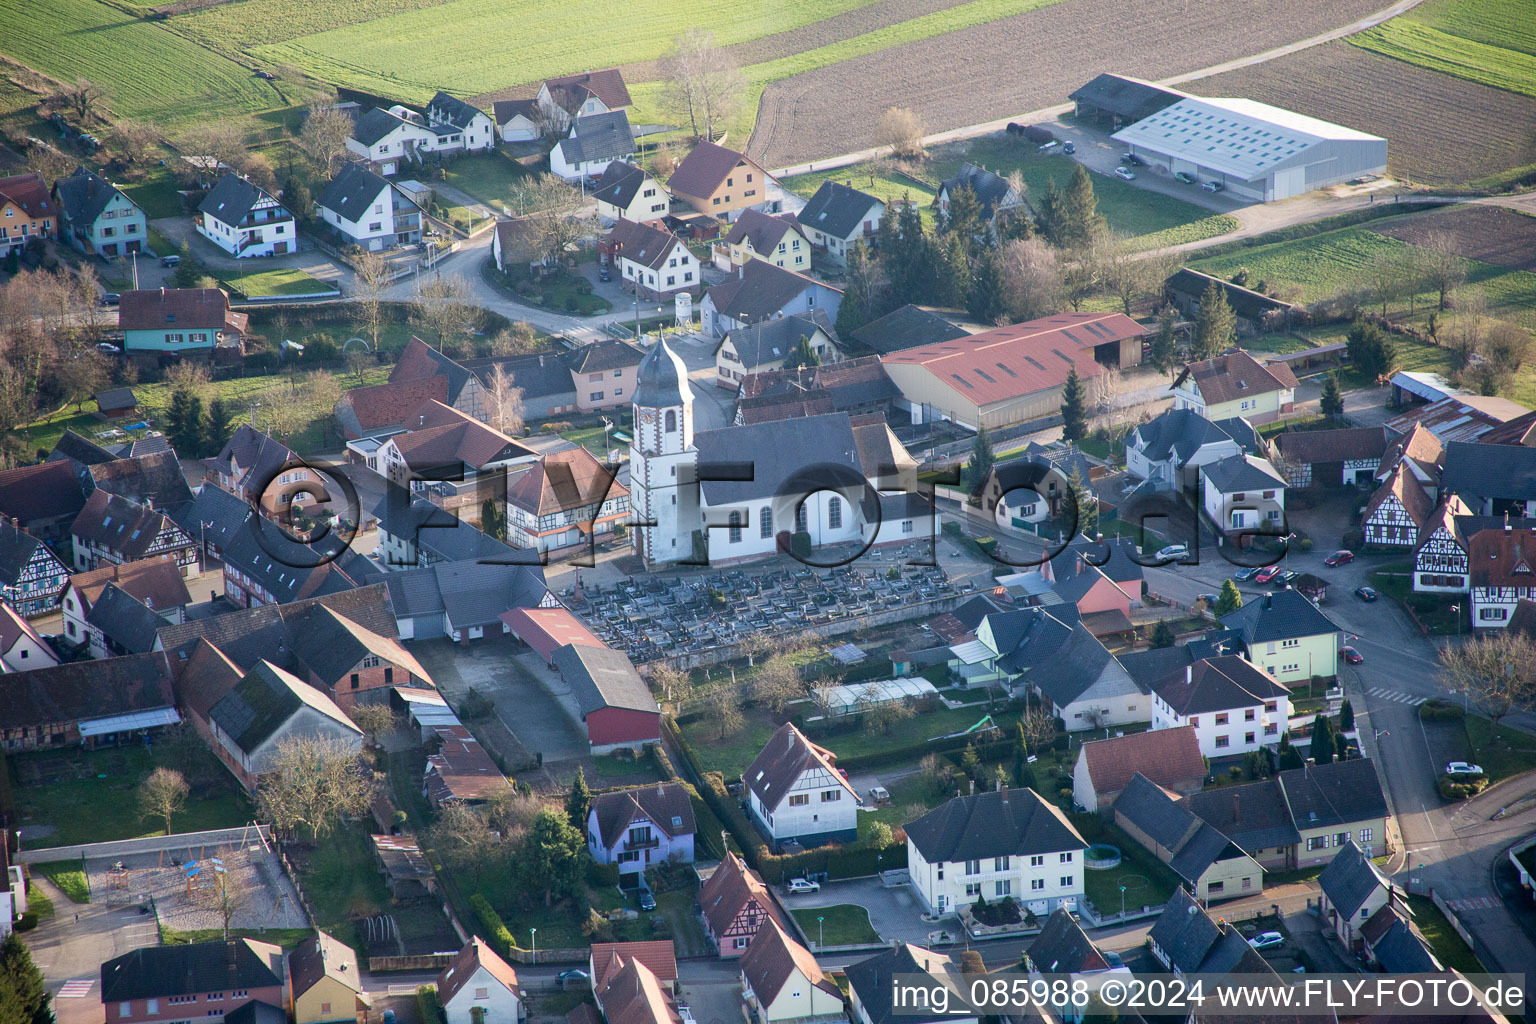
(615, 703)
(1119, 100)
(1255, 151)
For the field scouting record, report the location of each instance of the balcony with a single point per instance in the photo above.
(646, 843)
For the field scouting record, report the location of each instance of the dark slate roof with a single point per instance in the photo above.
(603, 678)
(80, 449)
(907, 327)
(437, 532)
(1184, 931)
(784, 758)
(1193, 844)
(603, 136)
(231, 199)
(453, 110)
(470, 593)
(990, 188)
(374, 125)
(1154, 664)
(17, 547)
(1246, 303)
(1283, 615)
(1115, 555)
(606, 354)
(778, 451)
(1062, 656)
(1217, 684)
(162, 971)
(1231, 954)
(1177, 433)
(155, 479)
(261, 702)
(213, 515)
(1340, 793)
(1063, 947)
(665, 804)
(1216, 643)
(291, 571)
(124, 621)
(81, 690)
(48, 490)
(648, 244)
(116, 398)
(872, 981)
(837, 209)
(1126, 97)
(249, 635)
(259, 456)
(769, 341)
(619, 184)
(996, 823)
(83, 195)
(1489, 471)
(1399, 951)
(1252, 816)
(352, 192)
(662, 379)
(1237, 473)
(1350, 878)
(538, 374)
(760, 290)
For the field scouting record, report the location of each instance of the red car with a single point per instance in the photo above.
(1266, 574)
(1352, 656)
(1339, 558)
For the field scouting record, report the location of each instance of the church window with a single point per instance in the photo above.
(735, 527)
(835, 513)
(671, 420)
(801, 519)
(765, 522)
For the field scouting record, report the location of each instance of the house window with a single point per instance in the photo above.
(1004, 888)
(1195, 721)
(596, 396)
(1066, 858)
(799, 799)
(1341, 839)
(741, 942)
(1247, 884)
(1269, 706)
(835, 513)
(1365, 836)
(735, 528)
(973, 889)
(1215, 887)
(389, 675)
(765, 522)
(1317, 842)
(999, 863)
(125, 1009)
(1221, 719)
(1271, 729)
(1066, 881)
(1037, 883)
(1289, 643)
(354, 680)
(326, 1007)
(1248, 715)
(1223, 741)
(830, 795)
(1248, 738)
(973, 867)
(1037, 861)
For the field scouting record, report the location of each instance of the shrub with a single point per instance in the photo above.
(1305, 544)
(1437, 710)
(571, 303)
(429, 1006)
(600, 875)
(1460, 787)
(495, 928)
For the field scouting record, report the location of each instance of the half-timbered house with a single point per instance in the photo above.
(735, 903)
(31, 576)
(1420, 452)
(1397, 511)
(1503, 570)
(1440, 563)
(796, 793)
(113, 530)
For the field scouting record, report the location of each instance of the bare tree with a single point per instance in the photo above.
(558, 219)
(702, 84)
(1031, 278)
(518, 339)
(163, 794)
(48, 161)
(1443, 267)
(324, 135)
(209, 145)
(224, 894)
(374, 277)
(82, 98)
(1039, 729)
(1130, 275)
(722, 703)
(553, 119)
(1495, 670)
(880, 716)
(512, 814)
(778, 681)
(137, 138)
(1384, 274)
(372, 719)
(359, 361)
(462, 836)
(443, 309)
(504, 401)
(313, 782)
(902, 130)
(1465, 337)
(670, 683)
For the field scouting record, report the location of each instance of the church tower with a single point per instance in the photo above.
(662, 459)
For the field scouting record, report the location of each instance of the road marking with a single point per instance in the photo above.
(1397, 695)
(77, 989)
(1476, 903)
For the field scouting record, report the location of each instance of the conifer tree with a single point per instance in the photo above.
(1216, 325)
(1074, 413)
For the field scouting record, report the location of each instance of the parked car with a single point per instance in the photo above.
(1352, 656)
(1266, 574)
(647, 900)
(170, 261)
(565, 978)
(803, 885)
(1267, 940)
(108, 348)
(1126, 173)
(879, 794)
(1132, 159)
(1069, 147)
(1366, 593)
(111, 299)
(1462, 768)
(1244, 575)
(1173, 551)
(604, 273)
(1047, 147)
(1209, 599)
(1285, 576)
(1212, 186)
(1339, 558)
(1188, 179)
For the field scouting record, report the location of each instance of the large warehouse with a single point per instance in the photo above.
(1254, 150)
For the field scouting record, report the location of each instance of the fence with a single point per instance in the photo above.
(184, 841)
(1483, 953)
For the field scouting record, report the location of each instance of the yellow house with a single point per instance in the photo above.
(1234, 385)
(1353, 889)
(1287, 636)
(1210, 864)
(776, 239)
(327, 988)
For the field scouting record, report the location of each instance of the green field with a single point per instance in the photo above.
(1486, 64)
(1496, 22)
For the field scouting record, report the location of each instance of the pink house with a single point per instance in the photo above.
(1105, 605)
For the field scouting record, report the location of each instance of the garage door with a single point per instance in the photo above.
(1290, 182)
(1187, 166)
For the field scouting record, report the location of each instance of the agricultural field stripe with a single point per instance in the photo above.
(1467, 59)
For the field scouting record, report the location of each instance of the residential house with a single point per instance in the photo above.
(564, 503)
(453, 119)
(993, 845)
(95, 217)
(1211, 865)
(1398, 511)
(761, 291)
(460, 771)
(854, 386)
(262, 471)
(1063, 948)
(602, 373)
(1244, 496)
(86, 703)
(420, 533)
(1287, 636)
(27, 211)
(838, 216)
(1346, 457)
(797, 796)
(907, 327)
(463, 599)
(993, 193)
(120, 624)
(735, 904)
(454, 461)
(644, 825)
(1442, 564)
(1393, 946)
(871, 987)
(773, 238)
(590, 92)
(781, 981)
(155, 479)
(658, 956)
(1232, 706)
(417, 360)
(594, 142)
(1255, 312)
(1035, 486)
(390, 140)
(265, 708)
(1013, 374)
(179, 321)
(42, 499)
(719, 182)
(1171, 448)
(1493, 479)
(634, 982)
(652, 261)
(197, 980)
(478, 987)
(1420, 452)
(1187, 940)
(1353, 889)
(31, 576)
(369, 211)
(625, 192)
(1501, 574)
(112, 530)
(1236, 385)
(324, 982)
(766, 345)
(526, 243)
(245, 220)
(1103, 605)
(616, 705)
(22, 647)
(1170, 758)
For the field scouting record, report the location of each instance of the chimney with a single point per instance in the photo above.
(162, 291)
(1506, 522)
(741, 271)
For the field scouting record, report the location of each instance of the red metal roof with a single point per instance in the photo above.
(548, 629)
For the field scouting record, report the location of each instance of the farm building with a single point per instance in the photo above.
(1256, 151)
(1255, 311)
(616, 705)
(1012, 374)
(1122, 100)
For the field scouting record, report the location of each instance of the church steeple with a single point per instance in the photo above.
(663, 403)
(661, 458)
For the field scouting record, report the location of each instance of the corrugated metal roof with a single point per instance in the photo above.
(129, 722)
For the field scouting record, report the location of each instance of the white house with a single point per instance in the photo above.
(635, 828)
(244, 220)
(758, 291)
(1502, 574)
(781, 981)
(993, 845)
(652, 261)
(594, 142)
(1232, 706)
(479, 987)
(773, 238)
(1442, 564)
(625, 192)
(1397, 511)
(795, 793)
(518, 120)
(1243, 493)
(368, 211)
(838, 216)
(765, 345)
(247, 741)
(21, 646)
(460, 125)
(589, 92)
(391, 139)
(1170, 448)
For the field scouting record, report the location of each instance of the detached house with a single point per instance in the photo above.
(838, 216)
(203, 980)
(775, 239)
(1169, 758)
(653, 262)
(1232, 706)
(871, 994)
(1233, 385)
(27, 211)
(1501, 574)
(261, 471)
(1442, 564)
(111, 530)
(594, 142)
(1171, 448)
(994, 845)
(179, 322)
(1243, 494)
(564, 502)
(1035, 486)
(761, 291)
(479, 987)
(452, 118)
(31, 577)
(796, 794)
(719, 182)
(389, 141)
(1210, 864)
(1287, 636)
(1353, 890)
(781, 982)
(992, 191)
(245, 220)
(765, 345)
(635, 828)
(267, 706)
(22, 647)
(96, 218)
(735, 904)
(325, 983)
(368, 211)
(625, 192)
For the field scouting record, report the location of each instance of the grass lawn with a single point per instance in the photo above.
(874, 177)
(39, 903)
(490, 178)
(591, 438)
(1501, 750)
(559, 292)
(1395, 580)
(287, 281)
(90, 796)
(1497, 22)
(1447, 946)
(843, 925)
(67, 877)
(1147, 881)
(156, 195)
(343, 881)
(288, 938)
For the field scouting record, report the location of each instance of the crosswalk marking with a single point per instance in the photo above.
(77, 989)
(1475, 903)
(1397, 695)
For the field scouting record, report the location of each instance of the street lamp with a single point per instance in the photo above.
(819, 936)
(1457, 609)
(1122, 902)
(533, 935)
(607, 445)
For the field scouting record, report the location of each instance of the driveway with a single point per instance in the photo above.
(67, 949)
(896, 914)
(713, 1000)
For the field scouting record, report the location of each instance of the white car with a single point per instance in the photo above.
(879, 794)
(1126, 173)
(1047, 147)
(1173, 551)
(803, 885)
(1462, 768)
(1267, 940)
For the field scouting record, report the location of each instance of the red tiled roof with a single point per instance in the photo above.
(564, 481)
(443, 435)
(658, 955)
(729, 891)
(1408, 491)
(197, 308)
(154, 582)
(472, 957)
(29, 192)
(607, 85)
(705, 168)
(1166, 757)
(644, 243)
(1237, 375)
(45, 491)
(1503, 558)
(383, 405)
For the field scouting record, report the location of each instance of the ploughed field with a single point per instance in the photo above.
(1489, 234)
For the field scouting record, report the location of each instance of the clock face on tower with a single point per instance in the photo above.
(648, 416)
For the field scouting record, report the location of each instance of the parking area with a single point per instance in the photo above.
(895, 913)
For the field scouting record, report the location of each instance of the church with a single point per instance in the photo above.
(740, 492)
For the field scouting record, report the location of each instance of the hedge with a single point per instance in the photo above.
(429, 1005)
(707, 826)
(1440, 711)
(916, 751)
(495, 927)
